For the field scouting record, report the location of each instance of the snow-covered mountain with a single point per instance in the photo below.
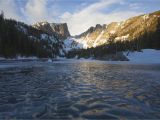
(128, 30)
(45, 39)
(59, 29)
(52, 33)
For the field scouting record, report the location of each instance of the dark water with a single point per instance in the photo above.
(87, 90)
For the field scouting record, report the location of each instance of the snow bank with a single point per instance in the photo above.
(146, 56)
(49, 60)
(20, 58)
(2, 58)
(73, 43)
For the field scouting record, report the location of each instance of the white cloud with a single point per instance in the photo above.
(10, 9)
(35, 10)
(30, 12)
(80, 21)
(38, 10)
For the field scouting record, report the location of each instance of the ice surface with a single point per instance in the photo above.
(146, 56)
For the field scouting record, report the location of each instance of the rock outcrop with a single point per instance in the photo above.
(59, 29)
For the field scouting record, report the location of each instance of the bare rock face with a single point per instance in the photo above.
(127, 30)
(59, 29)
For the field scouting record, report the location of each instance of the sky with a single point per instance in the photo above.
(78, 14)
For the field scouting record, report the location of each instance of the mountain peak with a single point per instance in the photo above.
(127, 30)
(61, 29)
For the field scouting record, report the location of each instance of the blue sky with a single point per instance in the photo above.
(78, 14)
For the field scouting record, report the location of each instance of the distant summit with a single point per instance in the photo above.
(61, 29)
(128, 30)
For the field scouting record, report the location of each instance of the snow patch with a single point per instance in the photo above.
(97, 39)
(2, 58)
(20, 58)
(44, 36)
(23, 57)
(118, 24)
(61, 58)
(48, 37)
(122, 24)
(112, 32)
(22, 29)
(154, 15)
(32, 37)
(146, 56)
(73, 43)
(49, 60)
(61, 52)
(145, 17)
(122, 38)
(81, 43)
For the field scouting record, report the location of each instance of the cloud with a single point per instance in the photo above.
(93, 14)
(35, 10)
(30, 11)
(10, 9)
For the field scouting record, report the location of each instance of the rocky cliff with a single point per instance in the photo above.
(60, 29)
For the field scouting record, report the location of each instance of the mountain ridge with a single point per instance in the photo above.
(127, 30)
(46, 39)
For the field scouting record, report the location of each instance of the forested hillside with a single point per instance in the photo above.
(19, 39)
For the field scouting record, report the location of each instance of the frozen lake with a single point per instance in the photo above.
(79, 89)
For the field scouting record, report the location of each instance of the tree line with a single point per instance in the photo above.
(15, 42)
